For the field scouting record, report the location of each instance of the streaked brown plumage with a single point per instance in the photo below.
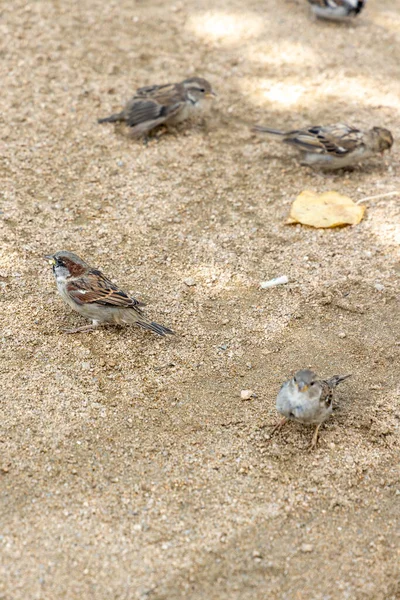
(171, 103)
(334, 146)
(93, 295)
(307, 399)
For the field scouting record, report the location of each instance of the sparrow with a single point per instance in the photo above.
(171, 103)
(336, 10)
(306, 399)
(95, 297)
(335, 146)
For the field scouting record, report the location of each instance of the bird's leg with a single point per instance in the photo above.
(162, 130)
(315, 436)
(279, 426)
(91, 327)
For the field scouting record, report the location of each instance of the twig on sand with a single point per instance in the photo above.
(376, 197)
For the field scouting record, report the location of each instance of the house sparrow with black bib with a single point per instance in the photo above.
(306, 399)
(336, 10)
(168, 104)
(335, 146)
(94, 296)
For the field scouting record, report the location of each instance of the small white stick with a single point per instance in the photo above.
(376, 197)
(277, 281)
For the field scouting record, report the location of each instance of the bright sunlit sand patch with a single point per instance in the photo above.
(366, 90)
(282, 93)
(291, 92)
(287, 53)
(389, 19)
(223, 27)
(387, 233)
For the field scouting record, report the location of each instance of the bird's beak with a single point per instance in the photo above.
(303, 387)
(211, 94)
(50, 259)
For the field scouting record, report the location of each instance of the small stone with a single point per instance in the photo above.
(379, 287)
(246, 394)
(86, 366)
(190, 282)
(307, 548)
(342, 335)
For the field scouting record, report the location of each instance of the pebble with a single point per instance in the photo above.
(307, 548)
(342, 335)
(190, 282)
(246, 394)
(379, 287)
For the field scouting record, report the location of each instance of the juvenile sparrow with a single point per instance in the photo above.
(157, 104)
(95, 297)
(306, 399)
(336, 10)
(334, 146)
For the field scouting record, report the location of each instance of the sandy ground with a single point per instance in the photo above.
(130, 467)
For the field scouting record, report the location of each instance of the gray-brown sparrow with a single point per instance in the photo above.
(171, 103)
(336, 10)
(334, 146)
(95, 297)
(306, 399)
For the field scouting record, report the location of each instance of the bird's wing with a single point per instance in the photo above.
(164, 95)
(327, 387)
(142, 110)
(326, 396)
(153, 91)
(95, 288)
(338, 139)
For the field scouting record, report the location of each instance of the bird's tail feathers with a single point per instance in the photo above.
(262, 129)
(112, 118)
(155, 327)
(336, 379)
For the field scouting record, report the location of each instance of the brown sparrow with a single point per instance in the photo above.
(171, 103)
(306, 399)
(336, 10)
(95, 297)
(334, 146)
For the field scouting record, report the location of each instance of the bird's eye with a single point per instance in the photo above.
(294, 379)
(202, 90)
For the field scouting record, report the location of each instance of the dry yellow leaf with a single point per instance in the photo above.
(329, 209)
